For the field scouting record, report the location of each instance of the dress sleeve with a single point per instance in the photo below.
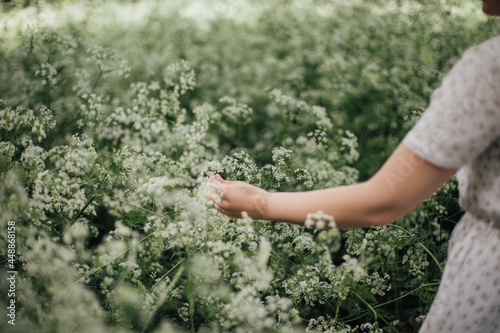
(463, 117)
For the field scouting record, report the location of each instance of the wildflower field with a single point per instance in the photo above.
(113, 114)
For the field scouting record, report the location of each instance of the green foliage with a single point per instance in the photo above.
(109, 131)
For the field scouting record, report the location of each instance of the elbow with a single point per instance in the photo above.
(384, 217)
(384, 212)
(383, 207)
(389, 210)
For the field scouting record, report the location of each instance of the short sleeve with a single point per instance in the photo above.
(463, 117)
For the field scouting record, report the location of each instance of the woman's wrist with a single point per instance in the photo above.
(261, 205)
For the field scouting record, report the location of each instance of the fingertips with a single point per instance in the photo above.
(215, 180)
(219, 178)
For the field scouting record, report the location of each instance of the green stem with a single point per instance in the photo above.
(337, 310)
(166, 274)
(98, 78)
(396, 299)
(374, 312)
(421, 245)
(149, 324)
(366, 303)
(80, 213)
(190, 296)
(407, 294)
(107, 264)
(432, 256)
(137, 207)
(400, 228)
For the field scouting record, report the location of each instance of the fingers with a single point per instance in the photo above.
(217, 180)
(217, 189)
(215, 197)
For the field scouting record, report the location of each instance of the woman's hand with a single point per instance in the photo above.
(237, 197)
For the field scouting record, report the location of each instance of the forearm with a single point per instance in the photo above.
(351, 206)
(403, 182)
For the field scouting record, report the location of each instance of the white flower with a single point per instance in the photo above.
(319, 220)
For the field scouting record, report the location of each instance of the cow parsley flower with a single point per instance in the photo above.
(352, 265)
(7, 150)
(48, 73)
(319, 220)
(350, 144)
(281, 155)
(33, 160)
(241, 166)
(379, 284)
(238, 113)
(305, 176)
(416, 259)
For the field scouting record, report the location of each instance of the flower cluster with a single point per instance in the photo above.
(319, 220)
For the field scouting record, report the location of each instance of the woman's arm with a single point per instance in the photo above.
(403, 182)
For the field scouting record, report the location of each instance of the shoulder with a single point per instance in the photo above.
(487, 53)
(477, 69)
(463, 116)
(491, 45)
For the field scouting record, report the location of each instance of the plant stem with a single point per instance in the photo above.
(107, 264)
(374, 312)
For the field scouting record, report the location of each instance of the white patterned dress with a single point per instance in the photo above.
(461, 130)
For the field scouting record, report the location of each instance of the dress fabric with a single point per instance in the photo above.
(461, 130)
